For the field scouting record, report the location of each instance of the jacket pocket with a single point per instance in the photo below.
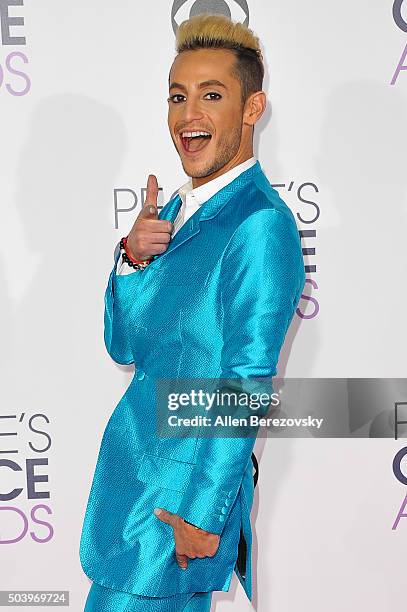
(166, 473)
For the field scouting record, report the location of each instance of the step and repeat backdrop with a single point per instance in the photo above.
(83, 121)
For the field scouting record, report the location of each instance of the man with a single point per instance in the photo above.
(205, 289)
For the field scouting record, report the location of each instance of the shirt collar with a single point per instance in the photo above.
(202, 193)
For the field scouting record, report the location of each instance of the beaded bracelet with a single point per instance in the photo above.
(137, 264)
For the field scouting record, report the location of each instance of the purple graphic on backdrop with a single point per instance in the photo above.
(21, 477)
(13, 78)
(399, 461)
(401, 477)
(401, 23)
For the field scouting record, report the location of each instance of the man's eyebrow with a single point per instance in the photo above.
(201, 85)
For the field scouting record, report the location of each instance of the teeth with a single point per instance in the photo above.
(192, 134)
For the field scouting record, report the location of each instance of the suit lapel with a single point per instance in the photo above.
(208, 210)
(170, 210)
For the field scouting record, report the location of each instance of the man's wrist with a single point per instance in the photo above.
(137, 264)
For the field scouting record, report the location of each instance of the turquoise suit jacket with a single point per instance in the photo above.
(217, 303)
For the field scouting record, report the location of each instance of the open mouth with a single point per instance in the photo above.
(195, 144)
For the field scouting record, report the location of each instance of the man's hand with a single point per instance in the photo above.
(149, 235)
(189, 541)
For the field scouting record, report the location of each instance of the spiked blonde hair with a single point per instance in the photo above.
(215, 31)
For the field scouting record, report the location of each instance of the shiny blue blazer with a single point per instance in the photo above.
(217, 303)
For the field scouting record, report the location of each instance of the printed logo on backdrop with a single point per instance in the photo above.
(24, 444)
(400, 459)
(400, 19)
(184, 9)
(307, 212)
(14, 79)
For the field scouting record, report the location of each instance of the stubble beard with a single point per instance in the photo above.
(226, 150)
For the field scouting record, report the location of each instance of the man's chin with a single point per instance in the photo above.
(196, 168)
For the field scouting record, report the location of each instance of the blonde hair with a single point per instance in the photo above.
(215, 31)
(210, 27)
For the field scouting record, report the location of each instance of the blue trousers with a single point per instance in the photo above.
(103, 599)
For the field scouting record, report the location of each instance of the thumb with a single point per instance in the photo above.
(150, 210)
(165, 516)
(182, 560)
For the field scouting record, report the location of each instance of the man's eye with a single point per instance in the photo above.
(211, 93)
(214, 93)
(171, 98)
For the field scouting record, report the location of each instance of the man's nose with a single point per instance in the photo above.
(192, 110)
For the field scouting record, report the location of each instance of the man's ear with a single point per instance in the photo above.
(255, 107)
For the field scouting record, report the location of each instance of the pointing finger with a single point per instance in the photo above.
(149, 209)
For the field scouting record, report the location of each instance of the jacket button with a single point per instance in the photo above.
(222, 518)
(224, 510)
(140, 373)
(227, 501)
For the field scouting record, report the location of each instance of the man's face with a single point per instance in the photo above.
(214, 108)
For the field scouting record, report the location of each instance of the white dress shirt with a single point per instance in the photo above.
(192, 199)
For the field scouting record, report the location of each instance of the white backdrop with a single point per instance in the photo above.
(84, 113)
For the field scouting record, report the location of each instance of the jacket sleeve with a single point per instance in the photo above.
(118, 304)
(116, 336)
(262, 278)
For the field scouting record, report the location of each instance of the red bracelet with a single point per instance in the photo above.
(123, 244)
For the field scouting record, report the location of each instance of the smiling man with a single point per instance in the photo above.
(205, 115)
(206, 289)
